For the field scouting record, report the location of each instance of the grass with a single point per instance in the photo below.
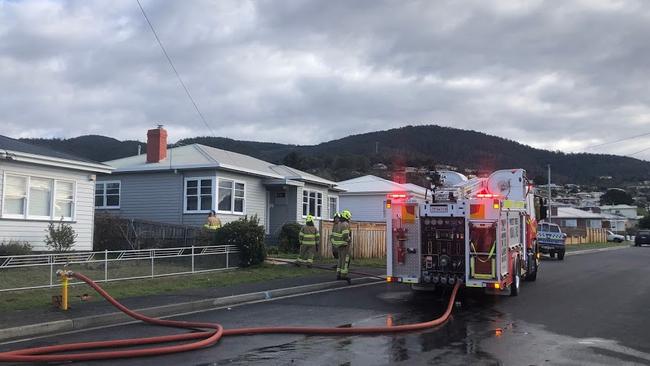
(359, 262)
(41, 298)
(574, 247)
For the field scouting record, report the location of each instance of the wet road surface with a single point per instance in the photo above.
(590, 309)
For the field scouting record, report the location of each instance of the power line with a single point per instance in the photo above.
(175, 71)
(638, 152)
(612, 142)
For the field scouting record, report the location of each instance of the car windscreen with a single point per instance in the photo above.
(554, 229)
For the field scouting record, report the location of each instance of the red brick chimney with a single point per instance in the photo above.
(156, 144)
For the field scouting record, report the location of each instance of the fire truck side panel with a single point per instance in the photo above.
(404, 243)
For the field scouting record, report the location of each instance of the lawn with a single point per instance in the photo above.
(574, 247)
(357, 262)
(27, 299)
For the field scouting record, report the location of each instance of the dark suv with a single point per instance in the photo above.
(642, 237)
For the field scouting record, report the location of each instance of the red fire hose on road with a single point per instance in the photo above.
(205, 338)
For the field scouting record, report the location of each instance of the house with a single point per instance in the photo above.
(571, 218)
(181, 185)
(626, 211)
(40, 185)
(366, 196)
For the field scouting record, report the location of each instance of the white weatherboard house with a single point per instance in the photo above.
(39, 185)
(181, 185)
(366, 196)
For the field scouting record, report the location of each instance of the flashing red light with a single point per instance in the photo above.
(396, 195)
(487, 195)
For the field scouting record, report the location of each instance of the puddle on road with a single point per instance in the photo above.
(477, 335)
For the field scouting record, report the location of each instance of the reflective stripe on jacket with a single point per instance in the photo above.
(341, 234)
(308, 235)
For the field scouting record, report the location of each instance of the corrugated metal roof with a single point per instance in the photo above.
(197, 156)
(574, 213)
(374, 184)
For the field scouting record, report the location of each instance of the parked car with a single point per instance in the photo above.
(642, 238)
(550, 240)
(615, 237)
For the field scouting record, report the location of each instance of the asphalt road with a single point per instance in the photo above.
(589, 309)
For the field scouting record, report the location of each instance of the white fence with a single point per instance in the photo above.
(23, 272)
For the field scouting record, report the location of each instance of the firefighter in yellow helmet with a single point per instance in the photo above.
(341, 238)
(309, 237)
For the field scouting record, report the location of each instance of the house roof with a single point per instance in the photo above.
(617, 207)
(574, 213)
(197, 156)
(373, 184)
(13, 149)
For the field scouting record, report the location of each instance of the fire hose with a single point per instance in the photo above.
(203, 339)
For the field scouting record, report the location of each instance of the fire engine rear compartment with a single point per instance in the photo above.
(443, 250)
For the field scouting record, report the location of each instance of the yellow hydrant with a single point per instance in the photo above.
(64, 275)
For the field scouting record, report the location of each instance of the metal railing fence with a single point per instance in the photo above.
(24, 272)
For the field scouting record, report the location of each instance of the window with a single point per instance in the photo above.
(27, 197)
(231, 196)
(333, 206)
(312, 203)
(107, 194)
(198, 194)
(570, 223)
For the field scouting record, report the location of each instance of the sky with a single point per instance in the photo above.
(558, 75)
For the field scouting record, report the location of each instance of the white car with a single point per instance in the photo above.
(615, 237)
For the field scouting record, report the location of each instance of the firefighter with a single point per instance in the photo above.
(337, 220)
(308, 239)
(341, 238)
(213, 222)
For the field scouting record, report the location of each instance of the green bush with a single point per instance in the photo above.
(60, 238)
(248, 235)
(15, 247)
(289, 238)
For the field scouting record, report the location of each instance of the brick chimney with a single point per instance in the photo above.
(156, 144)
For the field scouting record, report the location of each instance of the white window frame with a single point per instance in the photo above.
(232, 197)
(198, 187)
(119, 195)
(26, 216)
(308, 191)
(331, 214)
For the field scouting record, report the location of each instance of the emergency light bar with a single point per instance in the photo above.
(396, 195)
(487, 195)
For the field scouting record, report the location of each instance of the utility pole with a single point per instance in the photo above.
(549, 193)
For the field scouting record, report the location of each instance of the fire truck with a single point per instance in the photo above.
(480, 232)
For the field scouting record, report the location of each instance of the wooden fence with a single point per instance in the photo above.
(588, 235)
(368, 239)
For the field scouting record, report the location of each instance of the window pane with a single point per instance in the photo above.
(192, 183)
(63, 209)
(64, 190)
(239, 205)
(99, 200)
(304, 209)
(99, 188)
(206, 186)
(332, 206)
(206, 203)
(225, 184)
(112, 188)
(112, 200)
(40, 197)
(225, 195)
(192, 191)
(192, 203)
(319, 209)
(16, 187)
(312, 204)
(239, 190)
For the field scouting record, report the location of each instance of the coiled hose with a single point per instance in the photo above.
(204, 338)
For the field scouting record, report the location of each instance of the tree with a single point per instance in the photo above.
(644, 223)
(616, 196)
(60, 238)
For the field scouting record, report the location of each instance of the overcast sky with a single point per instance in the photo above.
(559, 75)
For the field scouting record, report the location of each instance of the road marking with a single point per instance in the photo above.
(587, 251)
(252, 302)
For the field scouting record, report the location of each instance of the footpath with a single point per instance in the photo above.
(83, 315)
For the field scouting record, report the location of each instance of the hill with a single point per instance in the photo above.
(420, 146)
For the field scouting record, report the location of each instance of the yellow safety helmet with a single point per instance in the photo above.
(309, 218)
(346, 214)
(337, 214)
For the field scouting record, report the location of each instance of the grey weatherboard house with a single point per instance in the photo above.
(39, 185)
(180, 185)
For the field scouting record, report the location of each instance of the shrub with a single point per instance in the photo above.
(289, 238)
(60, 238)
(15, 247)
(248, 236)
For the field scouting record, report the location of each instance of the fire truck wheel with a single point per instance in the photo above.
(516, 282)
(560, 255)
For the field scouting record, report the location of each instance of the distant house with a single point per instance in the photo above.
(626, 211)
(570, 218)
(366, 196)
(40, 185)
(181, 185)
